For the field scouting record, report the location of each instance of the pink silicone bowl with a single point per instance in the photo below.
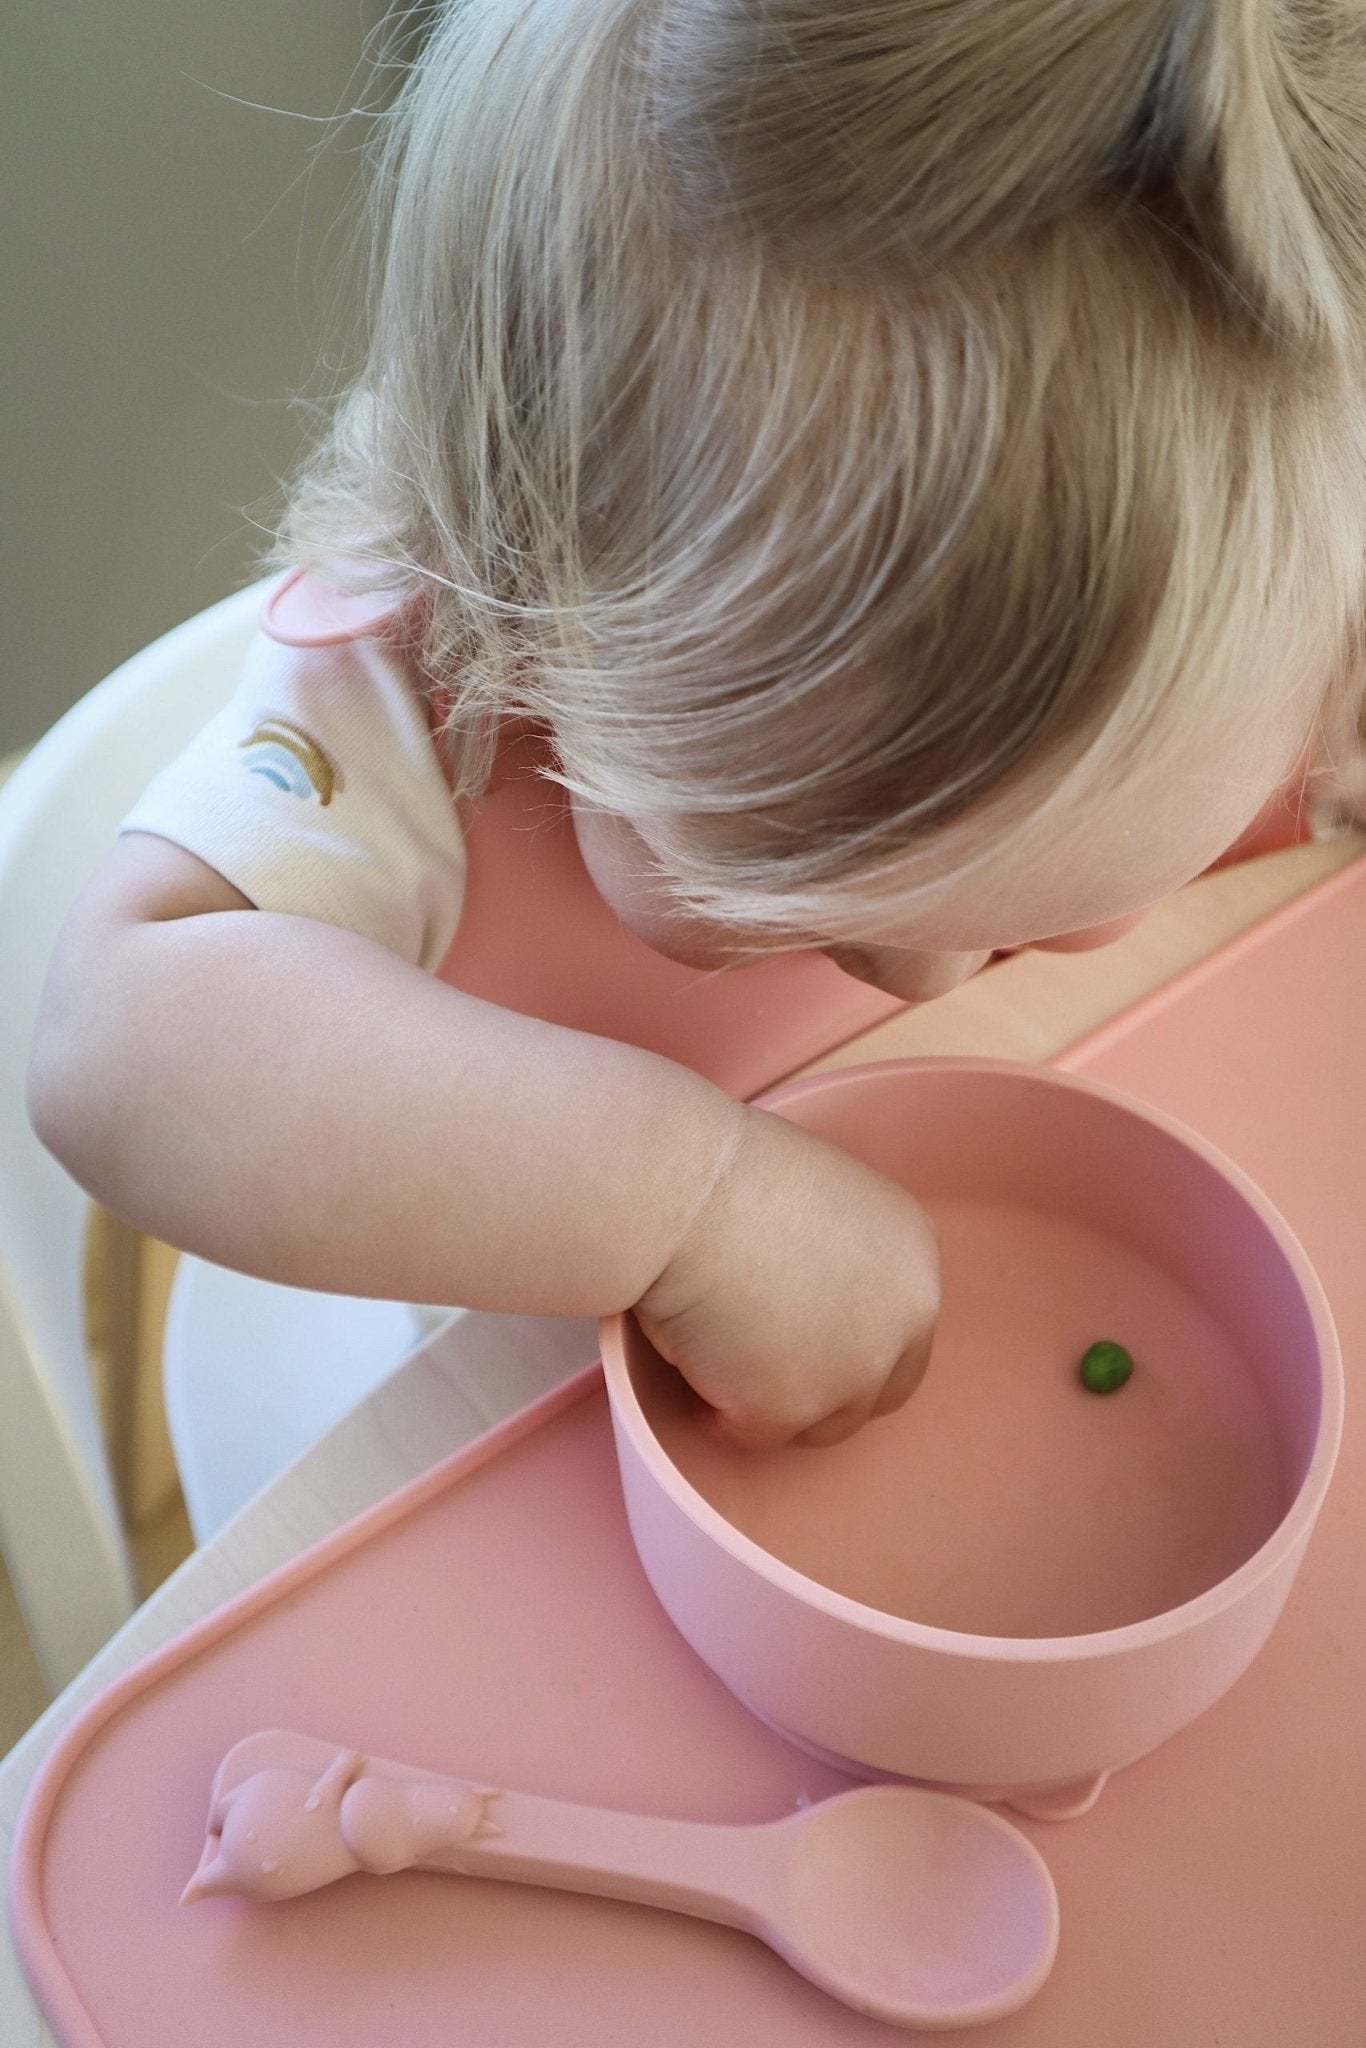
(1014, 1585)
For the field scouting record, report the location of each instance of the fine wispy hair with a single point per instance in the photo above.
(817, 416)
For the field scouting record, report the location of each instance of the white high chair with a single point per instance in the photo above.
(254, 1373)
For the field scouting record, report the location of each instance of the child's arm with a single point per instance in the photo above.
(292, 1099)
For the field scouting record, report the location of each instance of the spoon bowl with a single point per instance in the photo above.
(916, 1907)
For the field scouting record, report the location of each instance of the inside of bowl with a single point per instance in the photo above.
(1005, 1499)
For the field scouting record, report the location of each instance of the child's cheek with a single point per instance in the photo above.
(1093, 935)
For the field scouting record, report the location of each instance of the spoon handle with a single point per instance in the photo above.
(711, 1871)
(290, 1813)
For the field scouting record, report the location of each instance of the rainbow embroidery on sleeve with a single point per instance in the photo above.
(287, 756)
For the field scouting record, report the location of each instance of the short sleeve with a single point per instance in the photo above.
(317, 790)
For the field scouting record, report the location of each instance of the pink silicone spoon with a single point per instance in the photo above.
(911, 1906)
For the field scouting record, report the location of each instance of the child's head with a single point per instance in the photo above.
(876, 439)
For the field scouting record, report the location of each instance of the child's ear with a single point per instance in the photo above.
(626, 875)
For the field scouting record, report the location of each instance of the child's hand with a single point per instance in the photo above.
(803, 1299)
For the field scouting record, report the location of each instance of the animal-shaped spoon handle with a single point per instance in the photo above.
(289, 1815)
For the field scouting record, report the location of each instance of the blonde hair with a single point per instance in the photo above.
(816, 414)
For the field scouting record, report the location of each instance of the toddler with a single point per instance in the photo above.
(904, 461)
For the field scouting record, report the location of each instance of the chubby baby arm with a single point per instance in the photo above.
(292, 1099)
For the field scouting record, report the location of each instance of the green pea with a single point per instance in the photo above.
(1105, 1367)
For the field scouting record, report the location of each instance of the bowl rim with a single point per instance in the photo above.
(1289, 1535)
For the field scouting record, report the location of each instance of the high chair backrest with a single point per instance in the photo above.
(59, 1524)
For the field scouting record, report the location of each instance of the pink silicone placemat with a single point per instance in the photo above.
(491, 1620)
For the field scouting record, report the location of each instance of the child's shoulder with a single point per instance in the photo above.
(306, 609)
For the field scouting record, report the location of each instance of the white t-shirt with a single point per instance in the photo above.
(318, 790)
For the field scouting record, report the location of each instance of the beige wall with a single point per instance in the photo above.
(166, 266)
